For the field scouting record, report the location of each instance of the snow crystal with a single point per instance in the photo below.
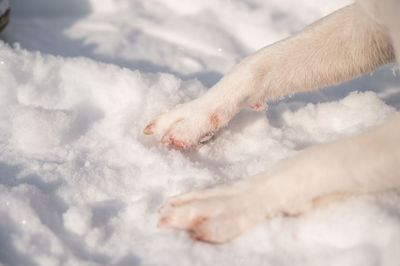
(79, 182)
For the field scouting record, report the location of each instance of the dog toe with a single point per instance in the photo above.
(148, 130)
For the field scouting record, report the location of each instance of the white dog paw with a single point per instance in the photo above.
(188, 124)
(209, 216)
(219, 214)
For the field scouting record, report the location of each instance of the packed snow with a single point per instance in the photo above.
(79, 182)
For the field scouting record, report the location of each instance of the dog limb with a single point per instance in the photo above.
(361, 164)
(340, 46)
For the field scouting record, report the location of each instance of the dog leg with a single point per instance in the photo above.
(361, 164)
(341, 46)
(391, 9)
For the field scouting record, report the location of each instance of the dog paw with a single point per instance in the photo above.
(211, 216)
(219, 214)
(188, 124)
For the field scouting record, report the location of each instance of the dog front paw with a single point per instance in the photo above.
(219, 214)
(189, 124)
(210, 217)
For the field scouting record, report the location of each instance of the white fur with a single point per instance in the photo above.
(353, 40)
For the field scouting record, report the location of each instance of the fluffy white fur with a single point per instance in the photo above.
(353, 40)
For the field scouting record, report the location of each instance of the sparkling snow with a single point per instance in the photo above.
(79, 182)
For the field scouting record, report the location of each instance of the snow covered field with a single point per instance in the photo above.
(79, 182)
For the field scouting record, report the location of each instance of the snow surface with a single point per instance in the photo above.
(80, 183)
(4, 5)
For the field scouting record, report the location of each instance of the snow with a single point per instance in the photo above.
(4, 5)
(79, 182)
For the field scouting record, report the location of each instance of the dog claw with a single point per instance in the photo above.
(163, 221)
(206, 137)
(199, 236)
(256, 106)
(214, 122)
(178, 143)
(165, 139)
(148, 130)
(170, 140)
